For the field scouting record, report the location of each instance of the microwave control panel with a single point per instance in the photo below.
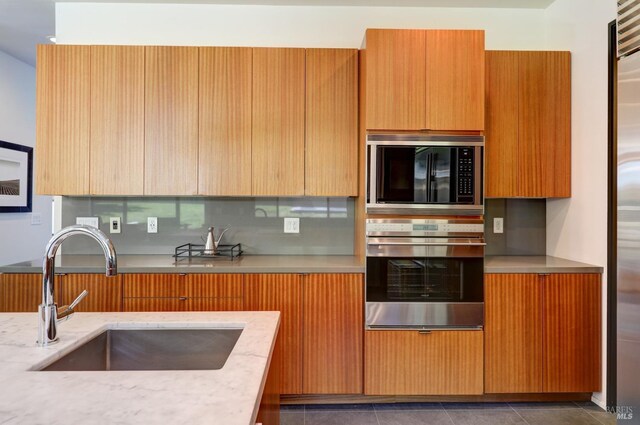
(465, 175)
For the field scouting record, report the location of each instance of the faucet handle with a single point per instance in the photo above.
(78, 299)
(65, 312)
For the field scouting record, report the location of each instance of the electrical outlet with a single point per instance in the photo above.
(114, 224)
(152, 224)
(88, 221)
(36, 219)
(498, 225)
(291, 225)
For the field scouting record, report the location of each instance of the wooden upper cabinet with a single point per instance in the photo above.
(332, 333)
(331, 148)
(277, 153)
(528, 124)
(544, 109)
(62, 119)
(171, 121)
(225, 121)
(454, 80)
(117, 120)
(396, 79)
(513, 333)
(572, 333)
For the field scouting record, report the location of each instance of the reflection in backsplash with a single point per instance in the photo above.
(326, 224)
(525, 227)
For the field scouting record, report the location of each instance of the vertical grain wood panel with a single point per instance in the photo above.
(281, 292)
(572, 333)
(154, 304)
(215, 292)
(501, 125)
(545, 124)
(117, 120)
(171, 121)
(331, 122)
(225, 121)
(215, 304)
(105, 293)
(22, 292)
(513, 333)
(277, 153)
(143, 285)
(3, 294)
(396, 78)
(332, 333)
(409, 363)
(359, 214)
(455, 80)
(62, 120)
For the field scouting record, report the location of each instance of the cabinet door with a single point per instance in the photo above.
(331, 147)
(454, 80)
(513, 333)
(21, 292)
(423, 363)
(277, 152)
(281, 292)
(155, 292)
(396, 77)
(544, 124)
(502, 151)
(215, 292)
(332, 333)
(225, 121)
(117, 120)
(572, 333)
(62, 120)
(171, 121)
(105, 293)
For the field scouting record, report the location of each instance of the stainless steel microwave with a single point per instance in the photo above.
(425, 174)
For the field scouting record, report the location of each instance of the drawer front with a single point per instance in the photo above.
(155, 285)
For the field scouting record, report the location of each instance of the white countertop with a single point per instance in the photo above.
(229, 396)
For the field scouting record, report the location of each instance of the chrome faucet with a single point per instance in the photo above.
(48, 313)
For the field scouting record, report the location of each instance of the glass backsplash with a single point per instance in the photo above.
(326, 224)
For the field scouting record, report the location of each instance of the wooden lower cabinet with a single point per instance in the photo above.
(105, 293)
(20, 292)
(542, 333)
(417, 363)
(332, 328)
(183, 292)
(283, 293)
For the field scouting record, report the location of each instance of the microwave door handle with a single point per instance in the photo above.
(427, 243)
(429, 166)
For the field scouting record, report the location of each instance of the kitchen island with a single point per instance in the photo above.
(228, 396)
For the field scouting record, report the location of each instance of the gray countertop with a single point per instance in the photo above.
(281, 264)
(536, 264)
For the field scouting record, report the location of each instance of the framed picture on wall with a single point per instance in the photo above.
(16, 174)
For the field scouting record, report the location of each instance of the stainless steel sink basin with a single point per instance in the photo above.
(151, 349)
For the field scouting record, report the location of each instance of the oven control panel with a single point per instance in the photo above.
(443, 227)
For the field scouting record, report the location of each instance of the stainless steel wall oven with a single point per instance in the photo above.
(424, 274)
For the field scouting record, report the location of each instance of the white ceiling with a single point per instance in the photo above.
(25, 23)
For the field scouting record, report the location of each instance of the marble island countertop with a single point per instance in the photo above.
(228, 396)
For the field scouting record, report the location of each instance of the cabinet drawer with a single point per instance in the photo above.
(414, 363)
(215, 285)
(155, 285)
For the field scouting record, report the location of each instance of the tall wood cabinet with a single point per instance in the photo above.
(277, 152)
(425, 80)
(542, 333)
(63, 99)
(171, 120)
(528, 124)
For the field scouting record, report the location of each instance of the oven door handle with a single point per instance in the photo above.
(427, 243)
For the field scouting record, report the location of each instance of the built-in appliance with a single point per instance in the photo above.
(422, 174)
(424, 273)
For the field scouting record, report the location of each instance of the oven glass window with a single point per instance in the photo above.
(424, 175)
(399, 279)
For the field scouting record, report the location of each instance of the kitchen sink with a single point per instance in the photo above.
(151, 349)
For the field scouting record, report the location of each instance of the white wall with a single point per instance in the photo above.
(577, 227)
(283, 26)
(19, 240)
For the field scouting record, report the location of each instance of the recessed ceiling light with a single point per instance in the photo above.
(52, 38)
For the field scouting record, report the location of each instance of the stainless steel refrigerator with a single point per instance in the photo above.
(628, 224)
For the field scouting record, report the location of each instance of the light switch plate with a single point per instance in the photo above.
(114, 225)
(498, 225)
(36, 219)
(88, 221)
(291, 225)
(152, 224)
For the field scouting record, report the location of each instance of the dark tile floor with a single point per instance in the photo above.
(585, 413)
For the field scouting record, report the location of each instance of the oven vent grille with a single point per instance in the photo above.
(628, 27)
